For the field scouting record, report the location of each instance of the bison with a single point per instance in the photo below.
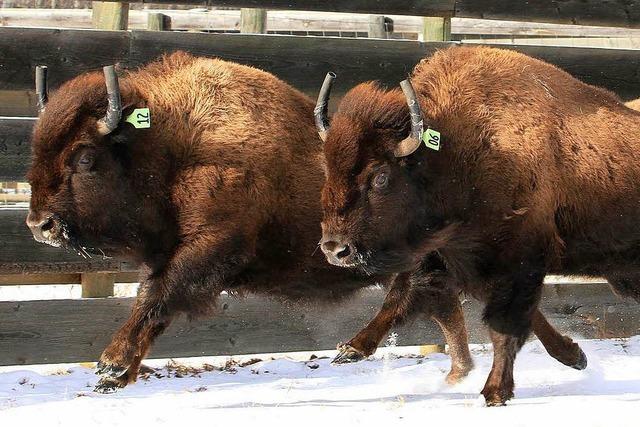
(215, 187)
(489, 170)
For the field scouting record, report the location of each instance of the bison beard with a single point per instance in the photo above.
(536, 173)
(222, 192)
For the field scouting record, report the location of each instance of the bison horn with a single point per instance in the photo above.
(411, 143)
(41, 87)
(322, 105)
(111, 119)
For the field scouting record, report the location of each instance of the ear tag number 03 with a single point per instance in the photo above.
(431, 139)
(140, 118)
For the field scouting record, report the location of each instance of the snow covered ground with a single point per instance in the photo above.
(294, 390)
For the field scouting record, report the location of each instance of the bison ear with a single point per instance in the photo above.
(411, 143)
(128, 108)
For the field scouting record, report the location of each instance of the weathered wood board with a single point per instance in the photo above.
(306, 21)
(617, 13)
(78, 330)
(15, 148)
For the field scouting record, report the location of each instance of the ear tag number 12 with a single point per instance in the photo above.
(431, 139)
(140, 118)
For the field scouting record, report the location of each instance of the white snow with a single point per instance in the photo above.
(385, 390)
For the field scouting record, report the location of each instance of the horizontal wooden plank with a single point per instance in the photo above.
(399, 7)
(66, 53)
(619, 13)
(59, 279)
(606, 42)
(17, 102)
(301, 21)
(301, 61)
(78, 330)
(20, 253)
(15, 148)
(615, 13)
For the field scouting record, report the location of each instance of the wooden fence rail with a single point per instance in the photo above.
(305, 21)
(617, 13)
(301, 61)
(78, 330)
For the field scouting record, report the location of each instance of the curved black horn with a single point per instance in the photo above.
(411, 143)
(42, 95)
(111, 119)
(322, 105)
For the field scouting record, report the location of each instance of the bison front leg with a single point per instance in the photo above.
(120, 361)
(512, 306)
(393, 309)
(189, 283)
(410, 295)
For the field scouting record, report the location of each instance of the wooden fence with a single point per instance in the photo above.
(615, 13)
(55, 331)
(315, 23)
(78, 330)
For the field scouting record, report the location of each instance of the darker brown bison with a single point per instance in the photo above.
(534, 172)
(221, 192)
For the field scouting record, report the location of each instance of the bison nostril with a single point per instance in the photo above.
(344, 252)
(47, 224)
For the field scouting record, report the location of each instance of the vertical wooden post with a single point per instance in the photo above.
(105, 16)
(436, 29)
(110, 15)
(377, 27)
(253, 21)
(158, 22)
(97, 285)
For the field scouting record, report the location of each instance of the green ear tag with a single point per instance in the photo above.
(431, 139)
(140, 118)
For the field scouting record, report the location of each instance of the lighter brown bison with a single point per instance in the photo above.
(534, 172)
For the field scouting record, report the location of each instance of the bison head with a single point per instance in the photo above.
(86, 187)
(373, 204)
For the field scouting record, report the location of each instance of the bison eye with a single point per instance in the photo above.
(381, 180)
(85, 160)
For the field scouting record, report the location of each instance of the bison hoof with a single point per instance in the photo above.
(496, 397)
(108, 385)
(495, 403)
(457, 375)
(582, 361)
(109, 370)
(347, 354)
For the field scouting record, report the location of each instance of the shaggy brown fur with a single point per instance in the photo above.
(221, 193)
(537, 173)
